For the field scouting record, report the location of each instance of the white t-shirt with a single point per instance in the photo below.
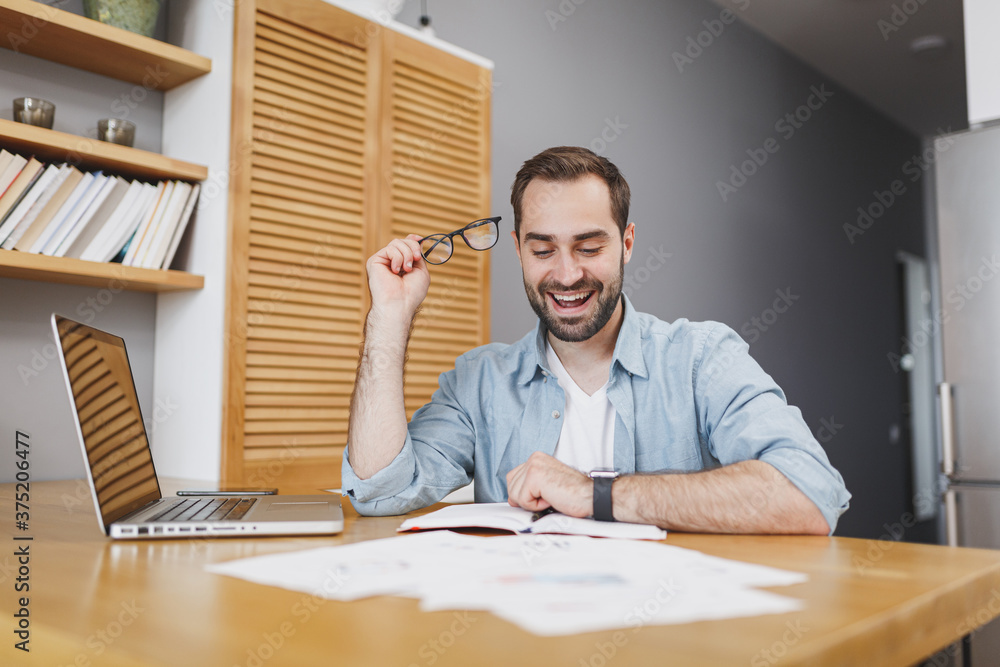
(587, 439)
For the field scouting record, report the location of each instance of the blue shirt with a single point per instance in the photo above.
(688, 395)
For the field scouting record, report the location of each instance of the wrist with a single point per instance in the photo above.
(385, 343)
(602, 491)
(388, 326)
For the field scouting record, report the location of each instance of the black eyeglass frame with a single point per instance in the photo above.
(441, 238)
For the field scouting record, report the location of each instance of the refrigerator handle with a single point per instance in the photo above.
(947, 430)
(948, 462)
(951, 518)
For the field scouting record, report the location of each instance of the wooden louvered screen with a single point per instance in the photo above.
(435, 150)
(321, 180)
(304, 129)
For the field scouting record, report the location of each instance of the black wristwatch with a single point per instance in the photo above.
(603, 479)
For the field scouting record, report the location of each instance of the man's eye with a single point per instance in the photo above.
(541, 253)
(590, 251)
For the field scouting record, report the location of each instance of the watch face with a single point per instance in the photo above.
(603, 473)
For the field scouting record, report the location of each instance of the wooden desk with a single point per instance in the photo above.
(98, 602)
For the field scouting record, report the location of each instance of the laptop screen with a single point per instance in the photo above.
(116, 450)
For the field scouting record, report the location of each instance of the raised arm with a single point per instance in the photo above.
(398, 280)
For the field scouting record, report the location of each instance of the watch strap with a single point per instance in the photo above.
(602, 498)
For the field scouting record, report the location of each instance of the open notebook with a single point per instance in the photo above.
(502, 516)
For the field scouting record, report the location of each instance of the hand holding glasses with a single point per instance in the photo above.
(478, 235)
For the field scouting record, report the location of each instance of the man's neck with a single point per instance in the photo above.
(589, 361)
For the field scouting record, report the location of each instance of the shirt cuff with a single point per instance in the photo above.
(823, 486)
(387, 482)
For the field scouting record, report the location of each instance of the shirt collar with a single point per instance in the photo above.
(628, 348)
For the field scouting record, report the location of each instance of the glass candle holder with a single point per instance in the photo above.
(116, 131)
(33, 111)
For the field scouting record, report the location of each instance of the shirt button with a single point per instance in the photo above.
(555, 414)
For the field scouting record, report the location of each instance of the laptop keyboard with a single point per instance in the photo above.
(205, 509)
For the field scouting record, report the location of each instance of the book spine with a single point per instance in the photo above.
(48, 208)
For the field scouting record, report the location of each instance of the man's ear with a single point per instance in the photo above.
(517, 245)
(628, 240)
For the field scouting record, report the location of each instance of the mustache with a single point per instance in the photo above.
(579, 285)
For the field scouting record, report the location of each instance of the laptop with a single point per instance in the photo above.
(119, 462)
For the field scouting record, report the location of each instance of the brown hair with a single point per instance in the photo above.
(568, 163)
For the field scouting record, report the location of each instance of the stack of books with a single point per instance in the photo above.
(60, 211)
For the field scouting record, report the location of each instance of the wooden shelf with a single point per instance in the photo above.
(59, 36)
(87, 153)
(63, 37)
(30, 266)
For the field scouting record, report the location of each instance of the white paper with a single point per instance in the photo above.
(546, 584)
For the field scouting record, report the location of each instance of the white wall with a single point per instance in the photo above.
(33, 395)
(982, 60)
(190, 341)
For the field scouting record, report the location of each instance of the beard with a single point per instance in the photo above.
(581, 327)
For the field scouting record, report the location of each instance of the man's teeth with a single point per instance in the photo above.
(571, 299)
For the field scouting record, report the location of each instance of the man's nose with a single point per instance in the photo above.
(569, 270)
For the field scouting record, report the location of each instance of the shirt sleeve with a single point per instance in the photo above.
(437, 457)
(743, 415)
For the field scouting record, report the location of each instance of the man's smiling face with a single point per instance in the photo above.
(572, 255)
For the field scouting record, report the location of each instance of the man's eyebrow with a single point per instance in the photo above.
(535, 236)
(596, 234)
(584, 236)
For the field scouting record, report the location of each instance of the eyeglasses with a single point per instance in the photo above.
(478, 235)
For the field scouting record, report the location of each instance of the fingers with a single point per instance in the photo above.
(513, 484)
(524, 490)
(400, 255)
(543, 481)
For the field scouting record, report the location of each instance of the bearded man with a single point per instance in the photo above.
(601, 411)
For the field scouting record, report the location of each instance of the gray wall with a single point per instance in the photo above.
(32, 390)
(678, 133)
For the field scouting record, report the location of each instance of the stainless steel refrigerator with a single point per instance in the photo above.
(968, 233)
